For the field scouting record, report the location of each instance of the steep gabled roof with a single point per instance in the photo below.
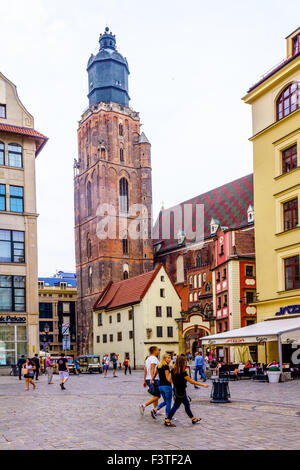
(126, 292)
(228, 204)
(40, 139)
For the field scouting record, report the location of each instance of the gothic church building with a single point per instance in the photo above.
(112, 179)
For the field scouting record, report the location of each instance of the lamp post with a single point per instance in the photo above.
(46, 331)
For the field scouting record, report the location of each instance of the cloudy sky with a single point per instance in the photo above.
(190, 62)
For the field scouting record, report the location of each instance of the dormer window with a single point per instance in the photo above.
(296, 44)
(213, 226)
(250, 214)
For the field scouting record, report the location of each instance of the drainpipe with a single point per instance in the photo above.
(279, 352)
(133, 332)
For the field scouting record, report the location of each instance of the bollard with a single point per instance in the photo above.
(220, 392)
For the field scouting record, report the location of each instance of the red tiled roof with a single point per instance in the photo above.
(227, 204)
(42, 139)
(126, 292)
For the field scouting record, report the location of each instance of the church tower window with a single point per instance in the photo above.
(123, 194)
(89, 198)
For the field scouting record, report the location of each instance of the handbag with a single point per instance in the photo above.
(153, 390)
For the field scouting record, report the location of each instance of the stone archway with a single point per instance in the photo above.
(192, 340)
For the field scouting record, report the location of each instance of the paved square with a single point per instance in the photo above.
(102, 413)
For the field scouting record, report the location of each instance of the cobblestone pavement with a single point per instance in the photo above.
(102, 413)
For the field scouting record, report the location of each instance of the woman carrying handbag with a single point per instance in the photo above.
(28, 373)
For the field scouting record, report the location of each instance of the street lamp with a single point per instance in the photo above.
(46, 331)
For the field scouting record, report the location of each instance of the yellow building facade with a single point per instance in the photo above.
(275, 102)
(19, 146)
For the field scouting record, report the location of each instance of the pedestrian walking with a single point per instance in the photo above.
(28, 371)
(180, 378)
(199, 364)
(105, 364)
(63, 370)
(126, 365)
(114, 359)
(37, 366)
(49, 369)
(77, 366)
(150, 373)
(20, 364)
(165, 385)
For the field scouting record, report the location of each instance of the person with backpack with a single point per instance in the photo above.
(180, 378)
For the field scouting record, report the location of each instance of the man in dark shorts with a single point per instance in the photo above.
(114, 359)
(63, 370)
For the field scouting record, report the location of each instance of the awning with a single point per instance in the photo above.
(288, 329)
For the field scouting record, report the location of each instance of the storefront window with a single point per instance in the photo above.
(13, 343)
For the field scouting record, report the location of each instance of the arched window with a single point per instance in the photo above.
(90, 277)
(198, 259)
(199, 280)
(89, 198)
(123, 195)
(89, 246)
(180, 269)
(15, 155)
(125, 246)
(121, 154)
(120, 129)
(125, 271)
(288, 101)
(2, 159)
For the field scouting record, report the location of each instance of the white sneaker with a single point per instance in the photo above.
(142, 409)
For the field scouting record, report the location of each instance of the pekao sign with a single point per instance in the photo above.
(289, 309)
(12, 319)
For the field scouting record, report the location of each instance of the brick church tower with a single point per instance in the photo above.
(111, 177)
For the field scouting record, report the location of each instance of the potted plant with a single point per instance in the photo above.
(274, 374)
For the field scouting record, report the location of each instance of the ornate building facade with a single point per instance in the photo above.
(112, 187)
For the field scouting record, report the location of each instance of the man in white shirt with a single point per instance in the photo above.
(150, 372)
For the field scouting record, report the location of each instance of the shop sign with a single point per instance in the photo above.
(289, 309)
(12, 319)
